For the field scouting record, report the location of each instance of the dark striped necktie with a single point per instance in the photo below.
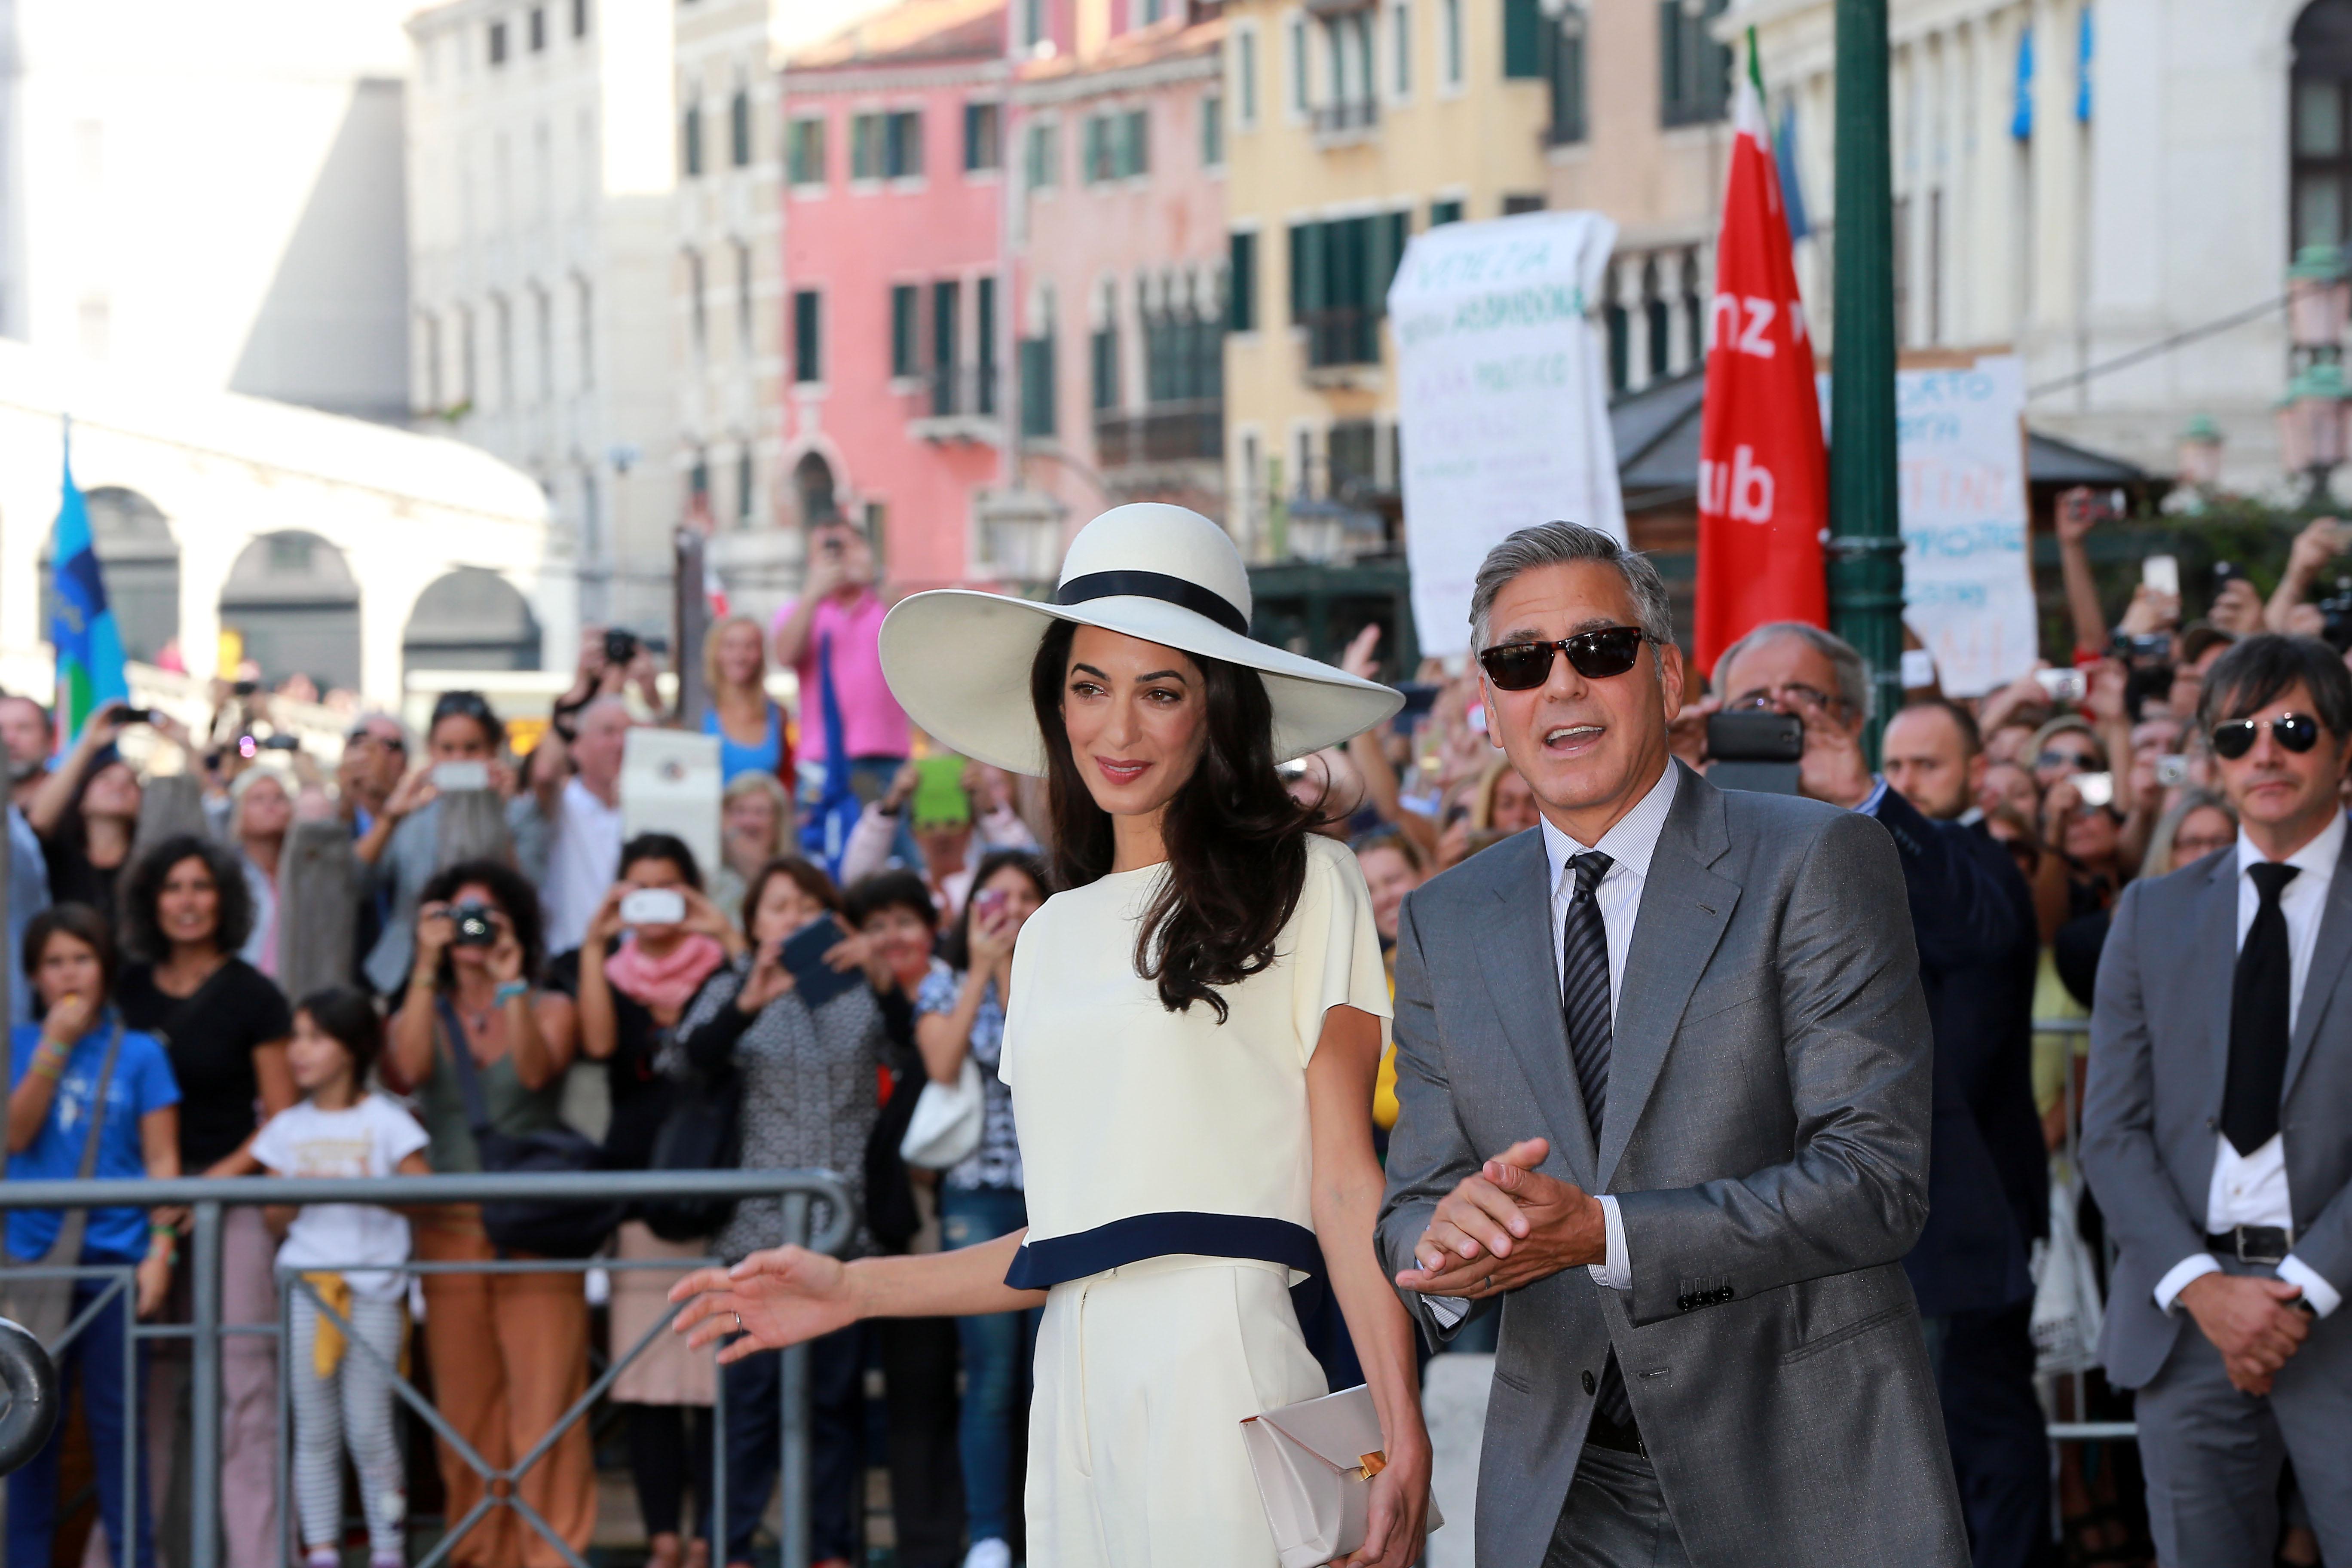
(1584, 1005)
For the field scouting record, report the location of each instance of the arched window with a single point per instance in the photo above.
(471, 619)
(293, 598)
(2322, 123)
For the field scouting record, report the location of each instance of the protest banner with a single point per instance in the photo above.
(1968, 584)
(1503, 398)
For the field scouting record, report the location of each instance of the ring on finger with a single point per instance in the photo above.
(738, 1324)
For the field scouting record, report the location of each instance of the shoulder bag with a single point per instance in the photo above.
(1315, 1462)
(45, 1305)
(946, 1126)
(558, 1228)
(702, 1131)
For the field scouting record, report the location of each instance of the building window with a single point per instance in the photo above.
(1693, 70)
(1443, 213)
(1348, 44)
(1339, 275)
(1526, 202)
(808, 337)
(1566, 38)
(906, 320)
(1400, 49)
(2320, 131)
(1245, 74)
(1450, 30)
(984, 349)
(1300, 100)
(1037, 387)
(584, 302)
(1241, 290)
(1032, 23)
(983, 145)
(1183, 353)
(743, 333)
(498, 43)
(1150, 11)
(947, 320)
(1523, 30)
(1118, 146)
(1102, 358)
(805, 152)
(1213, 132)
(1621, 351)
(744, 488)
(1044, 158)
(1655, 312)
(902, 145)
(738, 129)
(865, 147)
(538, 28)
(690, 141)
(579, 18)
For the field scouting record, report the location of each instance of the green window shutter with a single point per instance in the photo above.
(808, 345)
(1523, 28)
(1037, 387)
(1241, 298)
(905, 304)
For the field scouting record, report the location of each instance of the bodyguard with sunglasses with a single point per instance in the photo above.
(2214, 1131)
(1664, 1076)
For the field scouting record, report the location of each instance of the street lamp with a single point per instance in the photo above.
(2311, 416)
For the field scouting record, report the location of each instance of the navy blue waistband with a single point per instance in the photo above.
(1041, 1265)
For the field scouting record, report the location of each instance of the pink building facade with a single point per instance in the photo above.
(894, 214)
(1121, 255)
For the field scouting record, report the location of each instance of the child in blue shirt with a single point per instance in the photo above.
(56, 1069)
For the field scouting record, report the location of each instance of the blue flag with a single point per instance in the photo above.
(1792, 190)
(81, 627)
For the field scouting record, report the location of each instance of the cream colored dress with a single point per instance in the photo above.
(1169, 1168)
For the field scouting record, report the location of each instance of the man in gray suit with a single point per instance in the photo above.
(2214, 1132)
(1704, 1005)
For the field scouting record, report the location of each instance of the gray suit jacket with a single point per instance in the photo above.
(1767, 1138)
(2159, 1059)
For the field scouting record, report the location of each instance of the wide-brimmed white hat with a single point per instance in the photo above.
(959, 660)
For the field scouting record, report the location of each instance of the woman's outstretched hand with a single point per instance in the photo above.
(786, 1296)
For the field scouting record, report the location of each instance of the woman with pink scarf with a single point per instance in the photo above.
(654, 940)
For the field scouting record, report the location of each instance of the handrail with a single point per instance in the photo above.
(466, 1187)
(30, 1378)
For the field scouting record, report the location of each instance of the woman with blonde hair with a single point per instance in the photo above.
(755, 825)
(2199, 824)
(750, 725)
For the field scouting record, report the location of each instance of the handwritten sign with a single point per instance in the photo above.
(1503, 398)
(1968, 585)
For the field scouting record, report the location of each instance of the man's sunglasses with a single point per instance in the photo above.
(1596, 656)
(2235, 738)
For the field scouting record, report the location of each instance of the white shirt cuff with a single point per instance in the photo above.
(2324, 1297)
(1448, 1309)
(1616, 1271)
(2196, 1266)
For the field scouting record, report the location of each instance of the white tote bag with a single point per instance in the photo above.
(2067, 1313)
(1315, 1462)
(946, 1126)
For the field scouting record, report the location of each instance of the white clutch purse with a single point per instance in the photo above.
(946, 1126)
(1315, 1462)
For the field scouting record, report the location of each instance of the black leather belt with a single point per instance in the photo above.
(2252, 1243)
(1606, 1434)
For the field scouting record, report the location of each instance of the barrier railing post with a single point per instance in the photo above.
(204, 1392)
(794, 1385)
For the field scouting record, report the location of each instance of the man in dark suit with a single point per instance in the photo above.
(1989, 1179)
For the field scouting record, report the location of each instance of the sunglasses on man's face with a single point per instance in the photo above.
(2080, 762)
(1595, 655)
(2235, 738)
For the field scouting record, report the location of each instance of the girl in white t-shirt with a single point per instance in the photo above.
(350, 1257)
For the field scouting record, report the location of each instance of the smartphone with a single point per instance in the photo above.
(451, 777)
(2161, 574)
(2063, 685)
(987, 905)
(2171, 771)
(652, 906)
(1757, 752)
(802, 955)
(2096, 790)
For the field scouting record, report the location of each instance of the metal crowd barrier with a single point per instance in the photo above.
(206, 1198)
(2077, 1430)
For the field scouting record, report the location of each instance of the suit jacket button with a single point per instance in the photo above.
(1589, 1384)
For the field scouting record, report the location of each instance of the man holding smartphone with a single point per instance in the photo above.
(833, 634)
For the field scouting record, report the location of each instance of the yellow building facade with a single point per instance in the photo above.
(1353, 126)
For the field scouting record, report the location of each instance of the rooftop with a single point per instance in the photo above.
(917, 32)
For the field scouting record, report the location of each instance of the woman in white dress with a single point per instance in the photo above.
(1194, 1027)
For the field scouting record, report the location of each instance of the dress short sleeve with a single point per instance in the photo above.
(1337, 960)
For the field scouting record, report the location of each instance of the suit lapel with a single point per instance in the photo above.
(2329, 955)
(2216, 945)
(1524, 981)
(1684, 909)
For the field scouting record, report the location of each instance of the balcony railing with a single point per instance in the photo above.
(1347, 334)
(952, 391)
(1339, 119)
(1168, 433)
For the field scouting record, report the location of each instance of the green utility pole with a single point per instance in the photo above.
(1866, 538)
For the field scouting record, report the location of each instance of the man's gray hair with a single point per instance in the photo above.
(1559, 544)
(1853, 674)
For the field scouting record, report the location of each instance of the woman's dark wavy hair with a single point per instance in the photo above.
(957, 949)
(143, 930)
(514, 895)
(347, 1016)
(666, 846)
(1236, 841)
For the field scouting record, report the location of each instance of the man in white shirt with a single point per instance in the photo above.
(2214, 1134)
(583, 853)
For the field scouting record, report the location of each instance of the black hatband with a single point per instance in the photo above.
(1159, 585)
